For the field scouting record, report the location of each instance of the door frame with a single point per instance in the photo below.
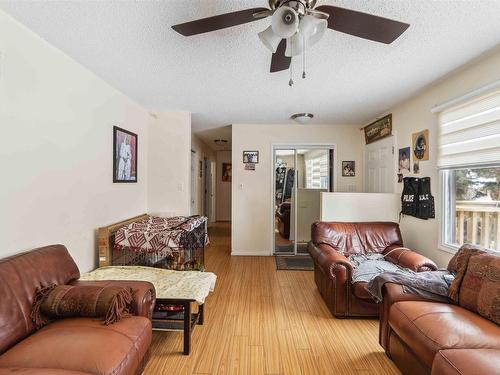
(295, 146)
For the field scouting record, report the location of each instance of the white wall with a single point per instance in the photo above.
(252, 219)
(360, 207)
(56, 121)
(202, 151)
(415, 115)
(223, 212)
(169, 163)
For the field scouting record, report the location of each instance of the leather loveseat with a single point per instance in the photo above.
(72, 346)
(332, 243)
(424, 337)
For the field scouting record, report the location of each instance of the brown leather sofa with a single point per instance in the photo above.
(425, 337)
(67, 346)
(331, 244)
(283, 217)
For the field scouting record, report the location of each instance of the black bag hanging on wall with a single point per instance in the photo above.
(416, 199)
(409, 196)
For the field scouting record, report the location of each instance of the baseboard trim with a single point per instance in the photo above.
(249, 253)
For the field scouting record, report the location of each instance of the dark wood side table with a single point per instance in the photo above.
(182, 320)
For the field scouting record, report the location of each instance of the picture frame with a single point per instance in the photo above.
(227, 171)
(404, 160)
(250, 157)
(420, 145)
(349, 168)
(125, 155)
(378, 129)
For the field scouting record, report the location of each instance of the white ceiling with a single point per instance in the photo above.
(223, 77)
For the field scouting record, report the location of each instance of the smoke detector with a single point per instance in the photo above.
(302, 118)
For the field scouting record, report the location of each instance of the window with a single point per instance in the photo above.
(317, 172)
(469, 159)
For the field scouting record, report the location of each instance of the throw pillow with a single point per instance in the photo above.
(458, 266)
(64, 301)
(480, 289)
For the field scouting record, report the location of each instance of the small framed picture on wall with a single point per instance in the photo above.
(251, 157)
(348, 168)
(124, 155)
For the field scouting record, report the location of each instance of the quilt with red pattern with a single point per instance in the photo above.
(159, 234)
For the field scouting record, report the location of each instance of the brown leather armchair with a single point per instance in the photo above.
(332, 242)
(72, 345)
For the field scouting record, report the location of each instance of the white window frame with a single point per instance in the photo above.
(448, 208)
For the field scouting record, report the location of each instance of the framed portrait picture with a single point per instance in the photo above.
(227, 171)
(348, 168)
(404, 160)
(378, 129)
(124, 155)
(420, 145)
(250, 157)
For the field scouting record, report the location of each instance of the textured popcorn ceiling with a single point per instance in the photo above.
(223, 77)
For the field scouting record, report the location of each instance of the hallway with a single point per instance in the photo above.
(263, 321)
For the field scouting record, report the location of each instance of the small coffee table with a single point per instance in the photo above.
(178, 320)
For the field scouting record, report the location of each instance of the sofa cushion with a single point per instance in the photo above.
(115, 349)
(428, 327)
(20, 275)
(480, 288)
(466, 362)
(354, 238)
(39, 371)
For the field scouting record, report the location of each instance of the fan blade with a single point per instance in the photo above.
(363, 25)
(204, 25)
(279, 61)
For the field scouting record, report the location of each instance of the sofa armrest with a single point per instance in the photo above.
(144, 294)
(409, 259)
(392, 293)
(333, 263)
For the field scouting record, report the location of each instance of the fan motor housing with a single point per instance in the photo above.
(309, 4)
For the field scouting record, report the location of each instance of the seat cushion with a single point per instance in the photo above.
(85, 345)
(359, 290)
(39, 371)
(427, 327)
(466, 362)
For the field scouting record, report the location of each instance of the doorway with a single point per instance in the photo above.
(301, 174)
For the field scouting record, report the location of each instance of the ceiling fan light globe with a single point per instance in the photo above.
(294, 45)
(312, 29)
(285, 22)
(270, 39)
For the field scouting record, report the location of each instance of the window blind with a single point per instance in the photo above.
(469, 134)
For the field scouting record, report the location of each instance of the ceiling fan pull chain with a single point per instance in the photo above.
(304, 57)
(290, 83)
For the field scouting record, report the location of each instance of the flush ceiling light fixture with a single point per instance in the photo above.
(296, 25)
(220, 142)
(302, 118)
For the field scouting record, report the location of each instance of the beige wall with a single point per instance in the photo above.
(169, 163)
(57, 123)
(415, 115)
(223, 211)
(202, 151)
(252, 219)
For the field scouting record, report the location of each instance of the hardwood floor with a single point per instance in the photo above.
(263, 321)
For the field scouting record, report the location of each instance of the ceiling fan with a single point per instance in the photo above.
(296, 24)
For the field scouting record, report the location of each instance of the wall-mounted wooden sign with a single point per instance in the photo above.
(378, 129)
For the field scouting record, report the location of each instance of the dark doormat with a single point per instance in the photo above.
(295, 263)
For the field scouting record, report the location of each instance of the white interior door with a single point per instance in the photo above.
(194, 165)
(380, 166)
(211, 191)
